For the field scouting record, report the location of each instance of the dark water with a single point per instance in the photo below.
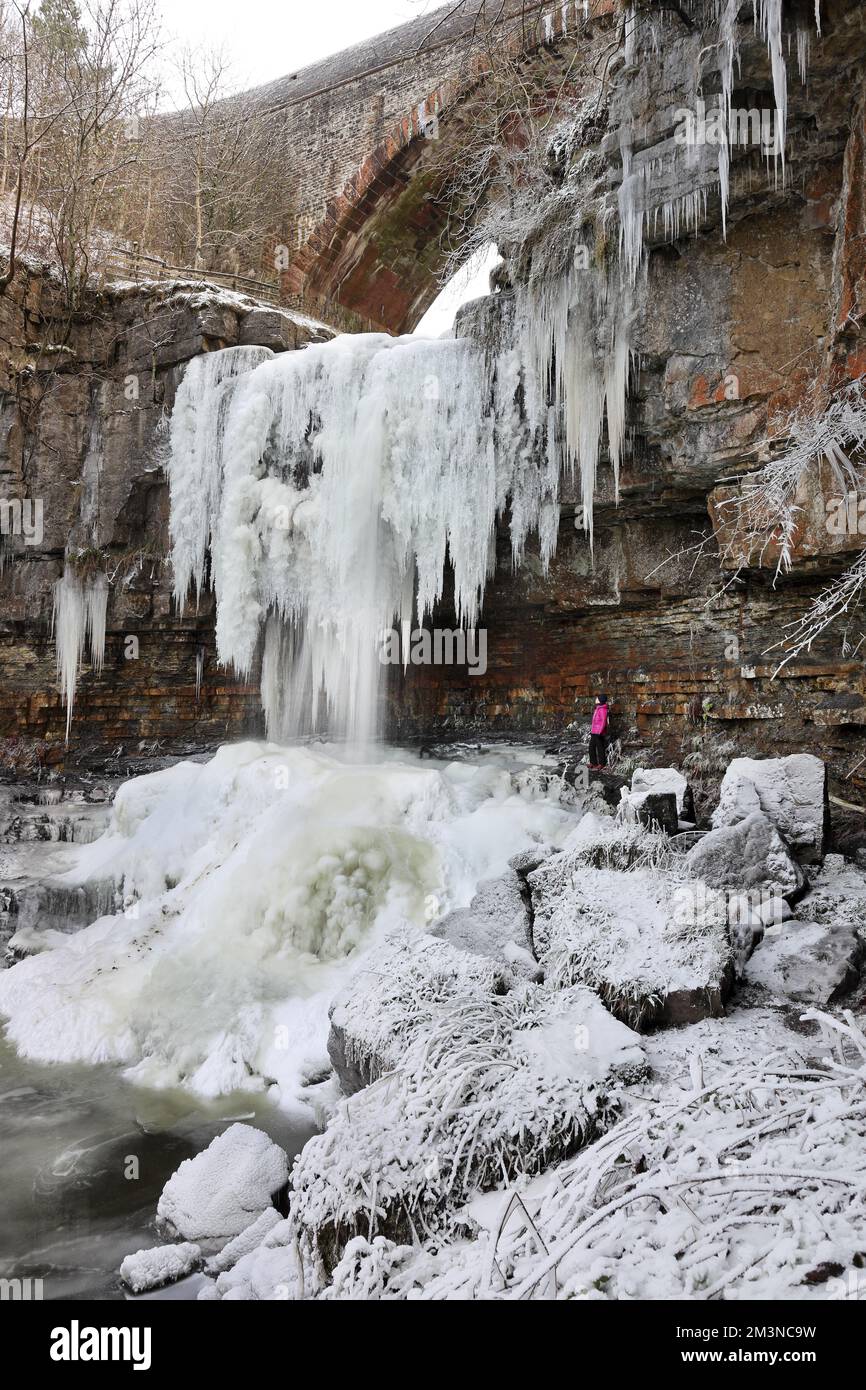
(83, 1159)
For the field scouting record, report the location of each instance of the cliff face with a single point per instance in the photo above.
(731, 335)
(83, 427)
(670, 617)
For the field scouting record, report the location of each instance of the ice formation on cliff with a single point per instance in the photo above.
(331, 487)
(80, 608)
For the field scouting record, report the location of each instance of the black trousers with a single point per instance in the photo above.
(597, 750)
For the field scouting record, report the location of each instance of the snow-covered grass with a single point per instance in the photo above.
(483, 1087)
(636, 936)
(744, 1182)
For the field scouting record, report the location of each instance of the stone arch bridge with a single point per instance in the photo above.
(366, 133)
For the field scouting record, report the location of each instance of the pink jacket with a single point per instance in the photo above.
(599, 719)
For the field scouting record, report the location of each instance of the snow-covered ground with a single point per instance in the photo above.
(435, 963)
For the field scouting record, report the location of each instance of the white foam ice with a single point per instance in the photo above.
(254, 885)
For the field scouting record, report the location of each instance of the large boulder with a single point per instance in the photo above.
(217, 1194)
(655, 946)
(661, 781)
(401, 990)
(791, 792)
(808, 962)
(750, 855)
(496, 919)
(482, 1087)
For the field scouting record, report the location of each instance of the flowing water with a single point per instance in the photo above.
(85, 1157)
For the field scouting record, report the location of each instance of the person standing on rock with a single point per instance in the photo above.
(598, 735)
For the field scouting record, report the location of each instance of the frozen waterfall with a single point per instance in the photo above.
(331, 487)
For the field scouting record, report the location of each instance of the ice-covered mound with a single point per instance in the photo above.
(254, 883)
(224, 1189)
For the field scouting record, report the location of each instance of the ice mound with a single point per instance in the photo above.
(253, 885)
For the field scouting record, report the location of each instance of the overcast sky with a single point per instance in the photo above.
(269, 38)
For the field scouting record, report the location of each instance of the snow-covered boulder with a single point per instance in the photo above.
(403, 988)
(482, 1086)
(791, 792)
(529, 859)
(160, 1265)
(808, 962)
(269, 1271)
(661, 781)
(218, 1193)
(496, 918)
(750, 854)
(654, 945)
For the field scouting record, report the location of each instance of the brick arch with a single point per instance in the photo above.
(368, 254)
(373, 259)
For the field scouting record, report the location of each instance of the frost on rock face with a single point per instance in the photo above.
(655, 946)
(837, 895)
(221, 1191)
(496, 922)
(158, 1266)
(78, 622)
(791, 792)
(480, 1087)
(808, 962)
(748, 855)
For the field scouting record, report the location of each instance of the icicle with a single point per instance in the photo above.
(78, 620)
(199, 671)
(768, 13)
(196, 433)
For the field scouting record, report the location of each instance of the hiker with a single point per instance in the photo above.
(598, 735)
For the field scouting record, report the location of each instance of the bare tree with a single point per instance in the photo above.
(222, 170)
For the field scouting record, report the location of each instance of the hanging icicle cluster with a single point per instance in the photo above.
(78, 622)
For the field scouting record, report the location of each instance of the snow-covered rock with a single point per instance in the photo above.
(655, 946)
(160, 1265)
(250, 1238)
(747, 855)
(497, 917)
(837, 895)
(481, 1086)
(791, 792)
(218, 1193)
(269, 1271)
(660, 781)
(404, 987)
(808, 962)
